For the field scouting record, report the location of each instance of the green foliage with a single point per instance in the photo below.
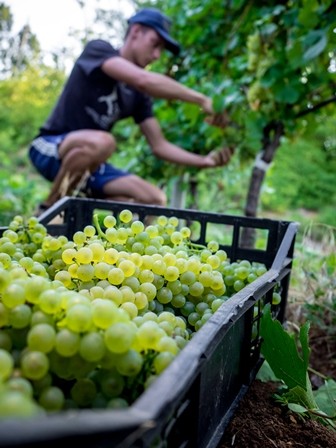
(290, 365)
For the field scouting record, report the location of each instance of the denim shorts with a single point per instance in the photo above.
(43, 154)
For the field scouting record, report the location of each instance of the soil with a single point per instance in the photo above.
(260, 422)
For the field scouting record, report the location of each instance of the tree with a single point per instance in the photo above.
(17, 51)
(270, 65)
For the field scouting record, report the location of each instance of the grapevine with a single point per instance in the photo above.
(91, 321)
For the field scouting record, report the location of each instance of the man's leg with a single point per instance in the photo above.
(132, 188)
(81, 153)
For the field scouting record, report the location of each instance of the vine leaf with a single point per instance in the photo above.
(280, 351)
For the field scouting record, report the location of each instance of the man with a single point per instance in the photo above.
(107, 85)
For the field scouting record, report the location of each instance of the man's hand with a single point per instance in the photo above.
(222, 156)
(220, 120)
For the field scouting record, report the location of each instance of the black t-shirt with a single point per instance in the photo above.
(92, 100)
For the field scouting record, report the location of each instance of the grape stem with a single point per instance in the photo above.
(97, 226)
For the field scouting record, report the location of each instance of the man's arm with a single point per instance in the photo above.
(154, 84)
(166, 150)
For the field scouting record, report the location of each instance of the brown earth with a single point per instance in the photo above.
(260, 422)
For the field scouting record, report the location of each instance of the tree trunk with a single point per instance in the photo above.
(271, 141)
(179, 191)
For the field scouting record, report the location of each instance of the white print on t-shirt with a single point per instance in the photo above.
(112, 110)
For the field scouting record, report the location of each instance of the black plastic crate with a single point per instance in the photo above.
(193, 400)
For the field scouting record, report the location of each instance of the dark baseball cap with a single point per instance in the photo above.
(153, 18)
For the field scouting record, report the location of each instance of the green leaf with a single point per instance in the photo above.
(297, 408)
(325, 397)
(280, 351)
(319, 39)
(218, 103)
(286, 93)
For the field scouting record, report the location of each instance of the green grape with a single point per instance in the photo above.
(138, 247)
(34, 365)
(128, 294)
(196, 289)
(149, 290)
(11, 235)
(89, 231)
(79, 238)
(175, 286)
(185, 232)
(171, 274)
(193, 317)
(164, 295)
(113, 293)
(205, 254)
(116, 276)
(41, 337)
(92, 347)
(122, 235)
(52, 399)
(182, 265)
(205, 278)
(137, 227)
(64, 277)
(21, 385)
(166, 327)
(125, 216)
(83, 392)
(242, 272)
(201, 307)
(130, 308)
(98, 251)
(188, 308)
(111, 382)
(85, 272)
(132, 282)
(14, 404)
(214, 261)
(111, 235)
(6, 364)
(96, 292)
(129, 363)
(101, 270)
(84, 255)
(69, 255)
(178, 301)
(13, 295)
(140, 300)
(173, 221)
(276, 298)
(8, 248)
(6, 260)
(20, 316)
(50, 301)
(148, 334)
(162, 361)
(119, 337)
(188, 278)
(238, 285)
(128, 267)
(150, 316)
(67, 342)
(79, 318)
(216, 304)
(109, 221)
(176, 238)
(213, 246)
(251, 277)
(162, 220)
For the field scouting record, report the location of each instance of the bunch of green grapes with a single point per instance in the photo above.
(104, 312)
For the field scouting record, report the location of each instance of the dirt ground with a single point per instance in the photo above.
(260, 422)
